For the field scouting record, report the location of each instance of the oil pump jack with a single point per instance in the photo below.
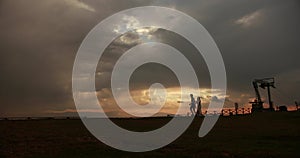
(257, 104)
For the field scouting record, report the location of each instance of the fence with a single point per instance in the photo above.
(230, 112)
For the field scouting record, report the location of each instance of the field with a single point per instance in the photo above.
(266, 134)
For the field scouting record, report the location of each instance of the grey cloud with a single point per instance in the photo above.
(39, 40)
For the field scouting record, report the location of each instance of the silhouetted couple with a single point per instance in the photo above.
(193, 106)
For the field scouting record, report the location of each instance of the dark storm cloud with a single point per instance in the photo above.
(38, 46)
(266, 46)
(39, 40)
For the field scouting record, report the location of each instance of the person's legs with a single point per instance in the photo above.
(191, 109)
(199, 112)
(194, 109)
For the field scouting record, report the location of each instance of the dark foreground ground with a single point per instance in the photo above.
(260, 135)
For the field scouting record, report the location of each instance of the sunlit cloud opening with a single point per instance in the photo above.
(80, 5)
(171, 97)
(135, 33)
(250, 19)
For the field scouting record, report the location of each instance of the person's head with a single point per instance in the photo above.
(191, 95)
(198, 98)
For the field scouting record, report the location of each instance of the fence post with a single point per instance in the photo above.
(236, 106)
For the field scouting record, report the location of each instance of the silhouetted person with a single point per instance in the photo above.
(199, 107)
(193, 105)
(296, 105)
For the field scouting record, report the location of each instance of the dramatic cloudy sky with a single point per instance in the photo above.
(40, 39)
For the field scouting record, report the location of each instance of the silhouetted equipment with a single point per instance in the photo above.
(230, 113)
(283, 108)
(257, 105)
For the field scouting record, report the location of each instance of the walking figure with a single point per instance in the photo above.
(193, 105)
(199, 107)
